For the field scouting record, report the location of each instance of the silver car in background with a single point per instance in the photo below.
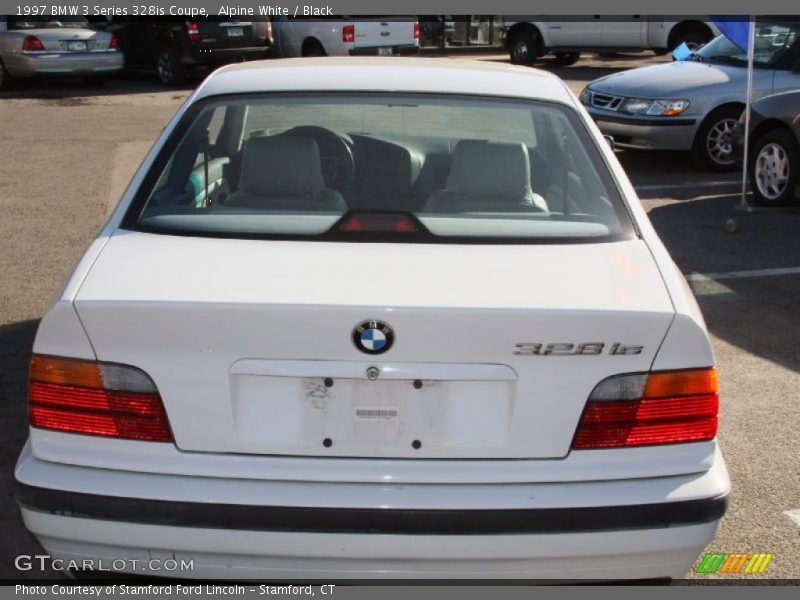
(695, 104)
(55, 46)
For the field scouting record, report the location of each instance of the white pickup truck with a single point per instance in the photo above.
(345, 36)
(528, 40)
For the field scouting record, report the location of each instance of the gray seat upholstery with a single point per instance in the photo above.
(284, 172)
(487, 177)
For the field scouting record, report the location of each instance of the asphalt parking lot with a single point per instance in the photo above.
(67, 151)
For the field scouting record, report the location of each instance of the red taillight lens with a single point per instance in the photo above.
(671, 407)
(113, 44)
(32, 44)
(193, 31)
(349, 33)
(93, 398)
(416, 30)
(269, 31)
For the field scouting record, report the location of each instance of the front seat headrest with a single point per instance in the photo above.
(282, 165)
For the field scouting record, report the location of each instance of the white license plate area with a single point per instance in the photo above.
(76, 46)
(235, 32)
(385, 51)
(358, 417)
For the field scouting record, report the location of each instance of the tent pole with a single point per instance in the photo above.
(743, 204)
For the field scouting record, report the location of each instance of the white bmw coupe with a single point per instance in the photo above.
(376, 318)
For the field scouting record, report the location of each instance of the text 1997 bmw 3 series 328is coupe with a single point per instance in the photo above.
(377, 318)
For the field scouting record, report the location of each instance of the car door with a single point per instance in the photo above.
(573, 33)
(624, 32)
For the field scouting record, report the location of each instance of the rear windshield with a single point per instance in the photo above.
(46, 22)
(371, 167)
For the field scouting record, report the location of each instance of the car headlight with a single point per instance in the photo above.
(585, 96)
(656, 108)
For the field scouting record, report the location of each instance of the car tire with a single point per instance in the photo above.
(713, 146)
(5, 78)
(313, 48)
(523, 49)
(775, 169)
(170, 72)
(565, 59)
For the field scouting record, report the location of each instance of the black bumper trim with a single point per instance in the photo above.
(369, 520)
(373, 50)
(666, 122)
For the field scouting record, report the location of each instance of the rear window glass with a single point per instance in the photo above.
(381, 167)
(46, 22)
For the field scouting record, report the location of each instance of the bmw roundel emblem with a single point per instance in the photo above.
(373, 337)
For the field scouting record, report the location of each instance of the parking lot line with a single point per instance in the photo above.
(743, 274)
(794, 515)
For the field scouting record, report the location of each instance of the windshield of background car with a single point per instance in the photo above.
(46, 23)
(388, 167)
(772, 42)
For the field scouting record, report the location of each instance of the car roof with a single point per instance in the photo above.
(381, 74)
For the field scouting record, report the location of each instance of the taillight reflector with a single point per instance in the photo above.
(416, 30)
(94, 398)
(348, 33)
(675, 407)
(113, 44)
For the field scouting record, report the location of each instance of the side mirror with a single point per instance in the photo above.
(609, 140)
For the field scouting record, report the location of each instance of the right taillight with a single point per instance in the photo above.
(349, 33)
(645, 409)
(95, 398)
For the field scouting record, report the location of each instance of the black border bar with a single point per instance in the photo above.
(370, 520)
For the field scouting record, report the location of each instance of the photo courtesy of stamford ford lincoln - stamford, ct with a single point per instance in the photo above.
(362, 298)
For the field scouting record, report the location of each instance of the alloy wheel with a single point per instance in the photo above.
(719, 144)
(520, 51)
(772, 171)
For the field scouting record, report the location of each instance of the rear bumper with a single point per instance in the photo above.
(644, 133)
(231, 528)
(375, 51)
(88, 63)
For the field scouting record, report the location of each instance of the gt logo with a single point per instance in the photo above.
(582, 349)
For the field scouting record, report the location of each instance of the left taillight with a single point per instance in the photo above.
(192, 31)
(32, 44)
(416, 30)
(95, 398)
(113, 43)
(645, 409)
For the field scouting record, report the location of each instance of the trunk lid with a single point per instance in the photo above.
(232, 33)
(240, 337)
(69, 39)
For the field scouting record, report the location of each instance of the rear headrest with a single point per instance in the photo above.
(498, 169)
(281, 165)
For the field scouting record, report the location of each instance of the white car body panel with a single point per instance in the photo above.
(206, 320)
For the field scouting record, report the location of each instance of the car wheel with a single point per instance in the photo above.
(565, 59)
(775, 169)
(313, 49)
(5, 80)
(169, 69)
(524, 48)
(713, 144)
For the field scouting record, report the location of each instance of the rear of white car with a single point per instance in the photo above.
(347, 36)
(490, 382)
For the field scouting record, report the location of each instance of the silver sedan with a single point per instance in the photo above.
(694, 105)
(53, 46)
